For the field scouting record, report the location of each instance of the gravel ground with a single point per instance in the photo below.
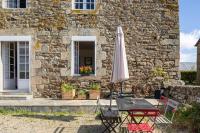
(49, 124)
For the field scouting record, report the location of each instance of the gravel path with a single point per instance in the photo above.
(49, 124)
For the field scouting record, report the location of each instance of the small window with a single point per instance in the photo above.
(14, 3)
(84, 57)
(84, 4)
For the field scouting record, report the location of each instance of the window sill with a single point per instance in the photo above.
(77, 11)
(89, 77)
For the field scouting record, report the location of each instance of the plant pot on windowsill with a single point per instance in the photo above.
(68, 92)
(94, 91)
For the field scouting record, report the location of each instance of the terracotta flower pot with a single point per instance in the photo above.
(94, 94)
(69, 95)
(81, 97)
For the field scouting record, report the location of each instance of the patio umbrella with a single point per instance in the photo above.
(119, 66)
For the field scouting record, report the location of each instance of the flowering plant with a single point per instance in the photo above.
(85, 70)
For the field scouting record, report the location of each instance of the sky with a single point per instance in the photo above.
(189, 29)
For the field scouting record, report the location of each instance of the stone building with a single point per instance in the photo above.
(44, 42)
(198, 61)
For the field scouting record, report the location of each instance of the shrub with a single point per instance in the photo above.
(188, 76)
(94, 86)
(189, 116)
(66, 87)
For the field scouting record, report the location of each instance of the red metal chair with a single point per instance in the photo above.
(162, 104)
(140, 120)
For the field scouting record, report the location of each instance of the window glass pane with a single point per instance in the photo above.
(92, 0)
(22, 59)
(27, 51)
(92, 6)
(27, 75)
(76, 6)
(22, 75)
(22, 68)
(11, 60)
(11, 46)
(22, 4)
(87, 6)
(12, 53)
(22, 44)
(11, 75)
(22, 51)
(27, 67)
(81, 6)
(12, 68)
(88, 0)
(27, 59)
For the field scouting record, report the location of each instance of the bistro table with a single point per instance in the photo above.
(136, 108)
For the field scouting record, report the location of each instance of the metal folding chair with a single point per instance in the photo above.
(140, 120)
(110, 119)
(166, 119)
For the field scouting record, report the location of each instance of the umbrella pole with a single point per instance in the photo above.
(122, 87)
(111, 93)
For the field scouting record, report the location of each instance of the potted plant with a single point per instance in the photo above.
(68, 91)
(81, 95)
(85, 70)
(94, 91)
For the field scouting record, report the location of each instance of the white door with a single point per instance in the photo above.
(23, 65)
(9, 71)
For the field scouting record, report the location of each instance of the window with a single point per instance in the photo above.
(84, 4)
(14, 4)
(83, 56)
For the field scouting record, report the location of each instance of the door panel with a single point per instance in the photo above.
(8, 59)
(23, 65)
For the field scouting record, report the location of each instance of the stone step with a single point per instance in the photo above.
(15, 96)
(51, 105)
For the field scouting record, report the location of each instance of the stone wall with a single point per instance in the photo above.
(185, 94)
(151, 31)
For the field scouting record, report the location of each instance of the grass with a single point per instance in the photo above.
(26, 112)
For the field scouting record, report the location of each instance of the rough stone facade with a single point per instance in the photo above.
(151, 30)
(185, 94)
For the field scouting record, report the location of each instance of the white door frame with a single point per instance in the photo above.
(81, 39)
(16, 39)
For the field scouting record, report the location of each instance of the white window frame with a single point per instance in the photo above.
(4, 5)
(18, 39)
(84, 5)
(82, 39)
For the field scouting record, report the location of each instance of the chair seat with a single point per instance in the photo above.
(144, 127)
(112, 115)
(162, 120)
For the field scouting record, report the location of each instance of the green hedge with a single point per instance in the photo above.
(188, 76)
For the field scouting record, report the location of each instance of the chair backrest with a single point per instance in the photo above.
(162, 104)
(173, 106)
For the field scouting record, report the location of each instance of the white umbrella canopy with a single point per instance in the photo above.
(120, 66)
